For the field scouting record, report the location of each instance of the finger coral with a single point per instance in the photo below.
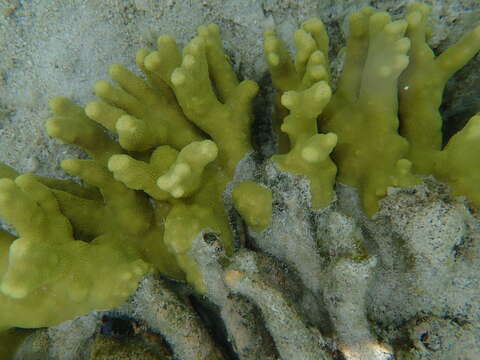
(382, 56)
(181, 241)
(60, 287)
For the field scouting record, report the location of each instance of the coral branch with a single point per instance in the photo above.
(167, 314)
(293, 339)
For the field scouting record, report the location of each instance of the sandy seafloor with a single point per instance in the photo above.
(61, 47)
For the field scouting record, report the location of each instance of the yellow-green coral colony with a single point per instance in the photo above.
(382, 56)
(181, 133)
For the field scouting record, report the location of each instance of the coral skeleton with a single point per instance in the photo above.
(357, 240)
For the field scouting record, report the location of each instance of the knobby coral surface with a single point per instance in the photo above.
(343, 244)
